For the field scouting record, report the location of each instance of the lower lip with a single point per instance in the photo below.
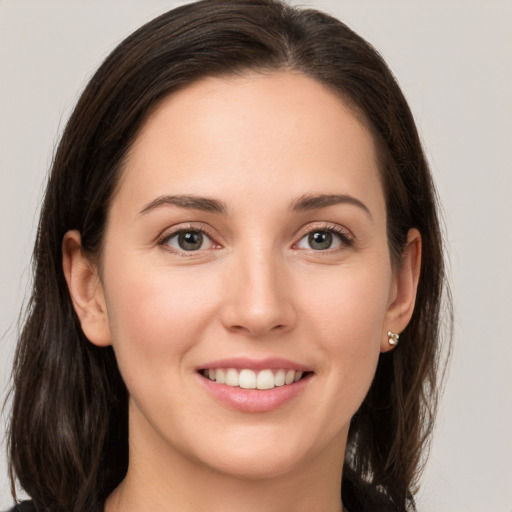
(255, 400)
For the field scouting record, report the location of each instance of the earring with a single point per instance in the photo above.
(393, 338)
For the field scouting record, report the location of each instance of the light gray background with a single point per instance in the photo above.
(453, 59)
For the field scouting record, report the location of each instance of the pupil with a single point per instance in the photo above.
(190, 240)
(320, 240)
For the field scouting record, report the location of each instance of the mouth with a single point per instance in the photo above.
(246, 378)
(255, 385)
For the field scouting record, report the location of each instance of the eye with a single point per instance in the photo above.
(189, 240)
(323, 240)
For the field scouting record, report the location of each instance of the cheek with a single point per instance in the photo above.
(351, 305)
(349, 317)
(155, 315)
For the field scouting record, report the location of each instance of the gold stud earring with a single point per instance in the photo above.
(393, 338)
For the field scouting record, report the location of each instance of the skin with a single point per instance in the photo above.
(256, 143)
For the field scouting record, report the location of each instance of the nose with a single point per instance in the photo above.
(259, 295)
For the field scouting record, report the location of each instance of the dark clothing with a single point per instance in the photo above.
(26, 506)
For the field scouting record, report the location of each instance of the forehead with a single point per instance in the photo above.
(251, 134)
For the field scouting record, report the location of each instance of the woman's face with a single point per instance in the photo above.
(247, 243)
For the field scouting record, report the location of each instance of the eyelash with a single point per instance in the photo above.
(345, 237)
(168, 235)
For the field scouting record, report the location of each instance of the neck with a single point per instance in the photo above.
(161, 478)
(218, 493)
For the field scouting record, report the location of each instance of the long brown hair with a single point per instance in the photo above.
(68, 434)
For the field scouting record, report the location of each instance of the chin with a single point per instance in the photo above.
(260, 455)
(256, 467)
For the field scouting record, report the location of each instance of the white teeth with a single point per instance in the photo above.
(232, 377)
(279, 378)
(290, 375)
(220, 376)
(265, 380)
(249, 379)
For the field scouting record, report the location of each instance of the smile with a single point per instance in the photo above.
(255, 385)
(249, 379)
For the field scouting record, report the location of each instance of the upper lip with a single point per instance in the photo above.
(240, 363)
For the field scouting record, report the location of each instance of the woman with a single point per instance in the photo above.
(238, 277)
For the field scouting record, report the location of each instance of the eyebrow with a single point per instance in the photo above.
(303, 203)
(316, 201)
(191, 202)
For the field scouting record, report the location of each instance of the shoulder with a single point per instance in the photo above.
(25, 506)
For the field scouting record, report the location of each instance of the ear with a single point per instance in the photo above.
(404, 288)
(85, 290)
